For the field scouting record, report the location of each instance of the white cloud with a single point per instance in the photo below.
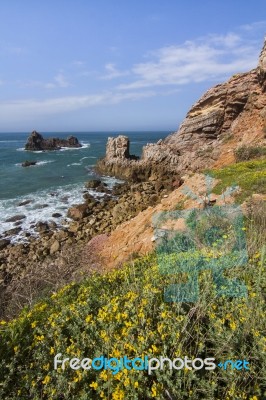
(112, 72)
(9, 48)
(207, 58)
(165, 70)
(254, 26)
(61, 80)
(24, 109)
(78, 63)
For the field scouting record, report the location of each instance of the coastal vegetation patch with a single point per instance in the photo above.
(250, 176)
(123, 313)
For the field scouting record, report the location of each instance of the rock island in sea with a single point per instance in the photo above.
(36, 142)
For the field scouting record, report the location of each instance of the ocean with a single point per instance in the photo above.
(56, 182)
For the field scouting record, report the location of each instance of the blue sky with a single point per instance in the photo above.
(115, 65)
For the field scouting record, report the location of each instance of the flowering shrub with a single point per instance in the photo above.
(123, 313)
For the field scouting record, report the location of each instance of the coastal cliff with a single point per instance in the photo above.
(226, 117)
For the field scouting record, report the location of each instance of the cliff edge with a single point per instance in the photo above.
(227, 116)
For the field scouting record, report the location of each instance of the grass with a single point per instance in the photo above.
(250, 176)
(124, 313)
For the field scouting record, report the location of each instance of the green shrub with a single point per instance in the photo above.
(123, 313)
(245, 153)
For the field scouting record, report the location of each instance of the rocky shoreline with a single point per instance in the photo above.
(55, 257)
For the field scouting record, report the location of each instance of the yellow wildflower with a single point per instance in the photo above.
(88, 318)
(233, 325)
(153, 392)
(94, 385)
(46, 380)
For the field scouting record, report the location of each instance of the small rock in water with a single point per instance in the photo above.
(41, 205)
(56, 215)
(13, 231)
(24, 203)
(18, 223)
(28, 163)
(15, 218)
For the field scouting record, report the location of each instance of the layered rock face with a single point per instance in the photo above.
(117, 148)
(36, 142)
(228, 115)
(262, 65)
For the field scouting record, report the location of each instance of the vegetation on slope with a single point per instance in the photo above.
(124, 313)
(250, 176)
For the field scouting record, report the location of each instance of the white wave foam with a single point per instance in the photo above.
(75, 163)
(43, 204)
(48, 202)
(44, 162)
(111, 181)
(39, 163)
(10, 141)
(83, 146)
(31, 151)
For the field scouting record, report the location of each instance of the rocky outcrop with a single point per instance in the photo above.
(227, 116)
(36, 142)
(28, 163)
(117, 148)
(120, 163)
(262, 66)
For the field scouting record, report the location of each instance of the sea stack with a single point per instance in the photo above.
(36, 142)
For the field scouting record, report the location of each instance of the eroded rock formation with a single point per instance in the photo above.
(228, 115)
(36, 142)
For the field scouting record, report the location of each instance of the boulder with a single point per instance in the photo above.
(56, 215)
(24, 203)
(4, 243)
(93, 184)
(15, 218)
(13, 231)
(78, 212)
(42, 227)
(55, 247)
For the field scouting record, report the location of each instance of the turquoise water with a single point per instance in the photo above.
(57, 181)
